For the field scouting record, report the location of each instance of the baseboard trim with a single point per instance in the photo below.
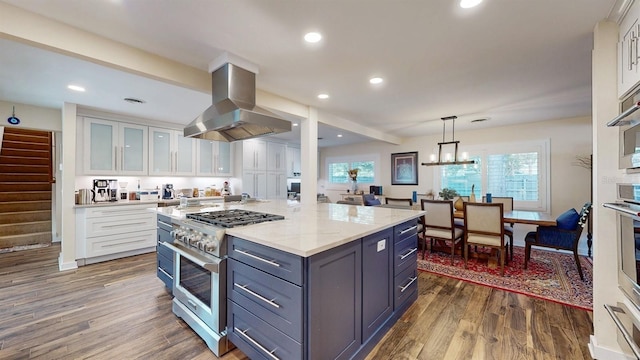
(603, 353)
(62, 266)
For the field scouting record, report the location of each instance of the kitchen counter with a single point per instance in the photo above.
(160, 202)
(307, 229)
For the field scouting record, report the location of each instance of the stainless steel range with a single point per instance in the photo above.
(200, 271)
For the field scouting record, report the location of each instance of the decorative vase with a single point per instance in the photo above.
(354, 186)
(472, 198)
(459, 204)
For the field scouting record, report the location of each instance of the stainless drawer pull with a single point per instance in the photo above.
(270, 302)
(409, 229)
(625, 333)
(244, 333)
(258, 258)
(403, 288)
(402, 257)
(165, 273)
(164, 223)
(121, 225)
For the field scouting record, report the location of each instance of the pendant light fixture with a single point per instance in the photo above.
(448, 160)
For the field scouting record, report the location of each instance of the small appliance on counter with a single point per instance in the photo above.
(168, 192)
(105, 190)
(123, 190)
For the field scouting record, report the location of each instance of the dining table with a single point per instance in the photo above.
(521, 217)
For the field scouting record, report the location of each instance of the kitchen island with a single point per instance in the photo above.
(326, 282)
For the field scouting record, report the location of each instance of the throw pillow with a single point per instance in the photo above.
(568, 220)
(371, 202)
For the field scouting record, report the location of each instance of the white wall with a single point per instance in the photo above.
(32, 117)
(570, 184)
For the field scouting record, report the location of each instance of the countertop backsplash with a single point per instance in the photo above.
(153, 182)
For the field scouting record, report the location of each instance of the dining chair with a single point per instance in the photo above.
(483, 226)
(439, 225)
(398, 201)
(564, 236)
(507, 201)
(370, 200)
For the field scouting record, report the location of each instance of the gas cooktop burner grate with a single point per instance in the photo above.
(233, 218)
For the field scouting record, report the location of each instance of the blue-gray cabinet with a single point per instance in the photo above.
(165, 255)
(335, 302)
(333, 305)
(377, 281)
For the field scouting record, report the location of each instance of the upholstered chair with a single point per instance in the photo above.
(483, 226)
(439, 225)
(507, 201)
(564, 236)
(370, 200)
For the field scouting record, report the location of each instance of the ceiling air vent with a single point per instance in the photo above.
(134, 100)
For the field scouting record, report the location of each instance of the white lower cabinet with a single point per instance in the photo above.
(110, 232)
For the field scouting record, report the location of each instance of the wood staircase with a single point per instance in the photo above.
(25, 189)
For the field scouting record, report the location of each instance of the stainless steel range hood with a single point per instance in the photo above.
(234, 114)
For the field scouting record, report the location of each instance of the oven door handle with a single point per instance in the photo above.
(195, 258)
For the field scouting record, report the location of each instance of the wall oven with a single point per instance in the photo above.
(628, 237)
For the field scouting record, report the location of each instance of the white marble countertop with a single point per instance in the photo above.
(308, 229)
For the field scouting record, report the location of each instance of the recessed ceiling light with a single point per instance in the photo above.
(312, 37)
(339, 135)
(76, 88)
(466, 4)
(376, 80)
(323, 96)
(294, 124)
(134, 100)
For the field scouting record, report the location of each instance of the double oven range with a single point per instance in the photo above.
(200, 270)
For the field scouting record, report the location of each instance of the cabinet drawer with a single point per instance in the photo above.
(121, 210)
(164, 223)
(277, 302)
(165, 252)
(256, 338)
(279, 263)
(166, 278)
(405, 230)
(406, 285)
(111, 244)
(164, 262)
(120, 224)
(405, 254)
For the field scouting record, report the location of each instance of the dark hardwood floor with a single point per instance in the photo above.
(120, 310)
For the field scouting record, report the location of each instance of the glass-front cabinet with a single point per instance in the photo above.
(112, 147)
(171, 153)
(214, 158)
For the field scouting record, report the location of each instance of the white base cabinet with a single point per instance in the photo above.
(110, 232)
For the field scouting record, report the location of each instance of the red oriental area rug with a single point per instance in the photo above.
(550, 275)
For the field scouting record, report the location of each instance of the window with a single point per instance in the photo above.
(338, 171)
(512, 170)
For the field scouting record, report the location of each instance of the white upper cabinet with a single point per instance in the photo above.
(214, 158)
(171, 153)
(629, 51)
(112, 147)
(293, 162)
(254, 155)
(276, 154)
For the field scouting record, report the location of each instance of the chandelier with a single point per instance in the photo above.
(448, 160)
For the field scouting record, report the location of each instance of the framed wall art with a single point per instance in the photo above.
(404, 168)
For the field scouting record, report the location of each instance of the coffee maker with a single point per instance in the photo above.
(168, 192)
(105, 190)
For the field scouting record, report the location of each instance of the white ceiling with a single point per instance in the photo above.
(510, 61)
